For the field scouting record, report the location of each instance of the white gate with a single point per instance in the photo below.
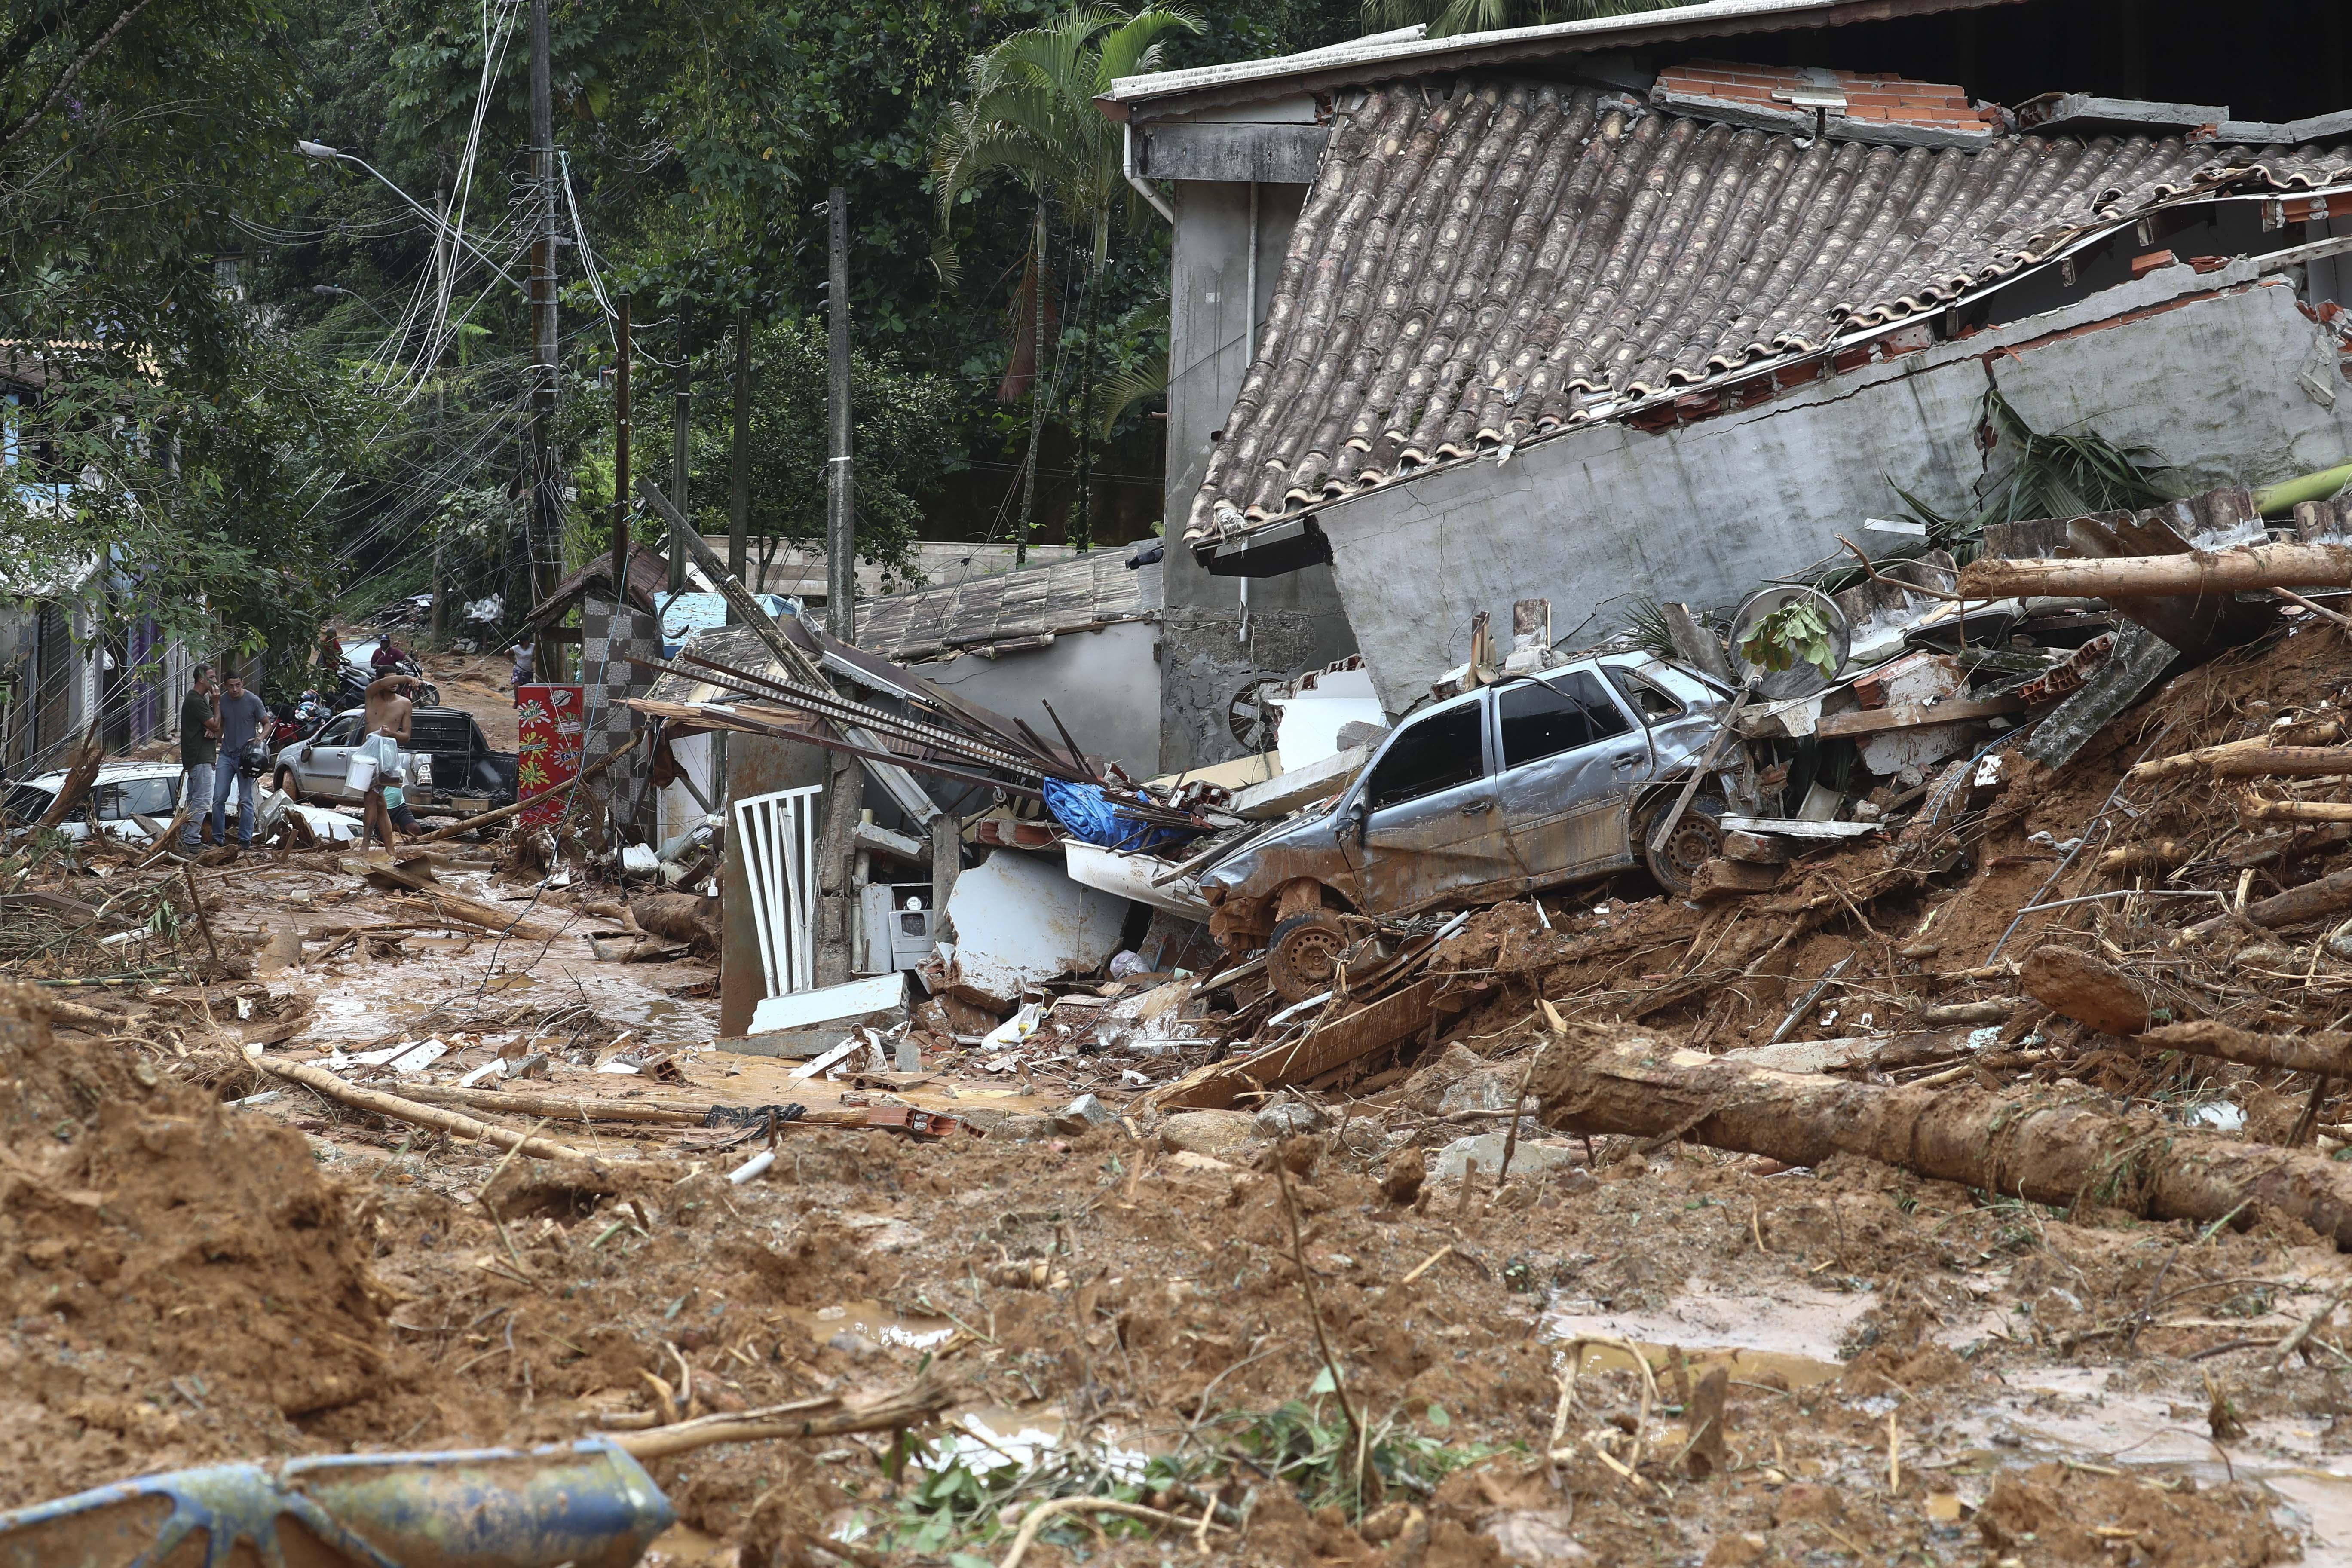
(776, 836)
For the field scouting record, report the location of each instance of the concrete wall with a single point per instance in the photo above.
(1296, 620)
(2204, 371)
(1105, 684)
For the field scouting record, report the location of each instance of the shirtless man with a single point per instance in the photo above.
(388, 707)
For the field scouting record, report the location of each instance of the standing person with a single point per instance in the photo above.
(330, 650)
(526, 658)
(389, 709)
(199, 748)
(242, 717)
(387, 657)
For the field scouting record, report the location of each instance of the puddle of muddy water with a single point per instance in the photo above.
(1793, 1329)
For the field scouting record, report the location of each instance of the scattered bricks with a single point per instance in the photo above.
(2143, 265)
(1755, 848)
(1733, 878)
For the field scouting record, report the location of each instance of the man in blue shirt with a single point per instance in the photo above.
(242, 717)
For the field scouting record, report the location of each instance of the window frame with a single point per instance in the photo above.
(1481, 707)
(1629, 721)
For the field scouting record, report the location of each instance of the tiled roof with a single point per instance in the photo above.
(1096, 589)
(1474, 269)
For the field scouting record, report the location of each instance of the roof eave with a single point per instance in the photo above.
(1341, 65)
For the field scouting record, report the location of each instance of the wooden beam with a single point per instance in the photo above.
(1912, 715)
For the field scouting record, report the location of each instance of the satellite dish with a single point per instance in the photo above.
(1799, 679)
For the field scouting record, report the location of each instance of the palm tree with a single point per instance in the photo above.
(1445, 18)
(1028, 113)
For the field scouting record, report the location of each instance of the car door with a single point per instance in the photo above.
(325, 759)
(1570, 756)
(1432, 834)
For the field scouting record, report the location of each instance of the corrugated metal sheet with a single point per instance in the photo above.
(1474, 269)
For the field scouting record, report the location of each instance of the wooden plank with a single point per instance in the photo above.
(1911, 716)
(1335, 1044)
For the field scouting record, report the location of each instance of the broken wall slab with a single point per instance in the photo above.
(804, 1024)
(1021, 921)
(2201, 370)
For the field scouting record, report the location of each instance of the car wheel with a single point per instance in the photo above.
(1696, 839)
(288, 786)
(1304, 952)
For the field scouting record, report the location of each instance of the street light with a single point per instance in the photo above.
(338, 289)
(326, 154)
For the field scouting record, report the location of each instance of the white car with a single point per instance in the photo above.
(125, 792)
(122, 791)
(315, 769)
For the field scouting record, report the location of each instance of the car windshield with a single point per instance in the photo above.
(27, 802)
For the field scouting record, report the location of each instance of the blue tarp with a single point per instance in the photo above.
(1083, 810)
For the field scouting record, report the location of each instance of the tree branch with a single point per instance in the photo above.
(24, 127)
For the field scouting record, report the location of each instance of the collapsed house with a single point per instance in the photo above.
(1527, 309)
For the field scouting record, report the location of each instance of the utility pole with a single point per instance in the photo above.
(738, 467)
(546, 526)
(621, 550)
(682, 411)
(1036, 389)
(440, 623)
(844, 784)
(841, 513)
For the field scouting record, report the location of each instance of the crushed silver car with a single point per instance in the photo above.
(1525, 784)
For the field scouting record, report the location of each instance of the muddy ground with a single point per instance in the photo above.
(1916, 1371)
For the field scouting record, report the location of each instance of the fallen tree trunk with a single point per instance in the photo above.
(399, 1110)
(2283, 761)
(2328, 1054)
(2325, 732)
(466, 911)
(2197, 572)
(82, 772)
(525, 803)
(2030, 1144)
(2322, 896)
(2082, 988)
(2299, 810)
(557, 1106)
(825, 1415)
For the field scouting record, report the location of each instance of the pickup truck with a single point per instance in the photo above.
(461, 769)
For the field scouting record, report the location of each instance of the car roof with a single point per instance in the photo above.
(108, 773)
(459, 712)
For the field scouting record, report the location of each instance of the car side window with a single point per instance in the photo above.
(149, 798)
(1544, 717)
(339, 731)
(1428, 756)
(1652, 703)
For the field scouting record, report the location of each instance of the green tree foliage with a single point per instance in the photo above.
(162, 425)
(1029, 115)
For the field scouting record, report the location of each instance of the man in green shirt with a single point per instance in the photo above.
(199, 750)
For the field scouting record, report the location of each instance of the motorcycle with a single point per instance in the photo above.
(352, 684)
(295, 721)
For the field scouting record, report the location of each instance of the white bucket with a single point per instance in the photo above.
(359, 774)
